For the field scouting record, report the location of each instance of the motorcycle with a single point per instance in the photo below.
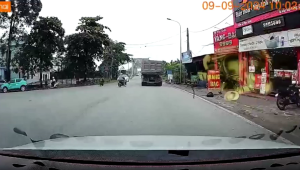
(122, 83)
(53, 85)
(288, 96)
(101, 82)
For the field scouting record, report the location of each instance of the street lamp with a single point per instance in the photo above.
(180, 49)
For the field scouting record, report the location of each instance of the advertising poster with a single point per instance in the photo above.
(282, 39)
(187, 57)
(213, 80)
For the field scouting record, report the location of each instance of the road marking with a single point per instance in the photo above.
(235, 114)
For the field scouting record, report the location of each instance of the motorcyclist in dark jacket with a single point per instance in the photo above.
(122, 80)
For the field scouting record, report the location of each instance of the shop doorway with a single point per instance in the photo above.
(283, 67)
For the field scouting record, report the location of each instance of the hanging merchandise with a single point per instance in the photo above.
(251, 69)
(294, 77)
(257, 81)
(263, 83)
(298, 73)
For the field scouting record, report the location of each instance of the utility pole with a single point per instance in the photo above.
(132, 67)
(188, 46)
(188, 39)
(180, 49)
(127, 72)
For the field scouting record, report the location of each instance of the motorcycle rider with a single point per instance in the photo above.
(121, 79)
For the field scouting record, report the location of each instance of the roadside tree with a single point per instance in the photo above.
(44, 40)
(24, 14)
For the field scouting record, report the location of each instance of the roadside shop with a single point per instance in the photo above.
(226, 57)
(269, 46)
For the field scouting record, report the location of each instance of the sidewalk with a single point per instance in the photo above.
(258, 109)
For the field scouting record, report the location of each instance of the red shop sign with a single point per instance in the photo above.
(257, 81)
(225, 41)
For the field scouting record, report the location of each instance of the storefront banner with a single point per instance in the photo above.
(284, 73)
(273, 23)
(268, 15)
(283, 39)
(257, 81)
(225, 41)
(213, 80)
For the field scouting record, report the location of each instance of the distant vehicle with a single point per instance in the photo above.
(151, 72)
(14, 84)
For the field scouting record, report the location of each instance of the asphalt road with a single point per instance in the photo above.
(110, 110)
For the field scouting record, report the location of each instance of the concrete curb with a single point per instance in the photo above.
(61, 87)
(237, 115)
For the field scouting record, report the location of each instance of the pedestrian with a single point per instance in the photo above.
(53, 82)
(101, 82)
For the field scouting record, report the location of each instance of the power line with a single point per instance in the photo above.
(203, 46)
(192, 31)
(220, 21)
(158, 40)
(213, 25)
(151, 46)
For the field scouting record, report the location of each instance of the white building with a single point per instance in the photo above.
(30, 78)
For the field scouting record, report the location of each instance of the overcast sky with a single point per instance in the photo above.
(144, 21)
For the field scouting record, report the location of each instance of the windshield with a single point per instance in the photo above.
(228, 81)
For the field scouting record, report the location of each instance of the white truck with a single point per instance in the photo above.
(151, 72)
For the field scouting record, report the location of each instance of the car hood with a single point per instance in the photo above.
(152, 143)
(3, 84)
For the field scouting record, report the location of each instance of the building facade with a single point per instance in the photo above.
(269, 41)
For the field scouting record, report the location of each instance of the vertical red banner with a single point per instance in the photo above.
(213, 80)
(257, 81)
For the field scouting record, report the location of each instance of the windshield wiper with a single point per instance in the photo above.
(54, 136)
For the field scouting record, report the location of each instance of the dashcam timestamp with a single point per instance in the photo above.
(211, 5)
(251, 5)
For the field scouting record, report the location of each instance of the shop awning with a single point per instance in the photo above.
(198, 58)
(227, 50)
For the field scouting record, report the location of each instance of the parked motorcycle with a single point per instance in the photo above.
(288, 96)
